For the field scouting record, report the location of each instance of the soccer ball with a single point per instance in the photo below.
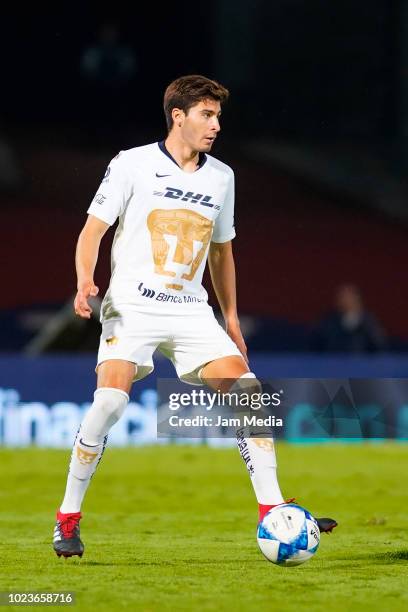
(288, 535)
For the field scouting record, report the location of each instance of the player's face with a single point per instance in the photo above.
(200, 126)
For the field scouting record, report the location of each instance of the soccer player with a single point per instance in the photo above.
(175, 205)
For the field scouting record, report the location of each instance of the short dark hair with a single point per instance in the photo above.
(187, 91)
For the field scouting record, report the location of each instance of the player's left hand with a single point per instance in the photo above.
(234, 332)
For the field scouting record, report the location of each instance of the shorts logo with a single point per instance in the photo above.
(85, 457)
(112, 340)
(146, 292)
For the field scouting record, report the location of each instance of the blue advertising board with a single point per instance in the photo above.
(43, 399)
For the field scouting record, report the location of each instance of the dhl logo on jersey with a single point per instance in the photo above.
(188, 196)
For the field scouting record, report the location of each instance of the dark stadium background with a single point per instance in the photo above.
(316, 131)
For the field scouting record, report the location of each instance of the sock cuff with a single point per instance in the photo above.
(240, 384)
(80, 441)
(119, 391)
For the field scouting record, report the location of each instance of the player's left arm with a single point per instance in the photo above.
(222, 271)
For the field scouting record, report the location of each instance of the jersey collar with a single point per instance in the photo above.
(202, 158)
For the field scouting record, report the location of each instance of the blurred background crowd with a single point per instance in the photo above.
(316, 130)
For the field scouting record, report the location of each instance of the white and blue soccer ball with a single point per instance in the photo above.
(288, 535)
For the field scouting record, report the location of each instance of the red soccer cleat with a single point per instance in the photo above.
(66, 535)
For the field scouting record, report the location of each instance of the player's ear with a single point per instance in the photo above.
(178, 116)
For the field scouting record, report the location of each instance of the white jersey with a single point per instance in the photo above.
(167, 219)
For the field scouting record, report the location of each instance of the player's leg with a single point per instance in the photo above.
(203, 352)
(258, 453)
(126, 340)
(231, 374)
(115, 379)
(224, 371)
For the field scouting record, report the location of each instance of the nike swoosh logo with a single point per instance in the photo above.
(162, 175)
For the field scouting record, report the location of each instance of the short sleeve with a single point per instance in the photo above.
(113, 193)
(224, 229)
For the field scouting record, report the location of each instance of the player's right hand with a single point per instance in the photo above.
(85, 291)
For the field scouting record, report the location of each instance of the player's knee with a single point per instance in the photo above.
(246, 382)
(117, 374)
(247, 386)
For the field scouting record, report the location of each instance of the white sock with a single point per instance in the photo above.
(107, 408)
(259, 457)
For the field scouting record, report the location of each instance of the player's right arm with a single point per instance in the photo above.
(86, 257)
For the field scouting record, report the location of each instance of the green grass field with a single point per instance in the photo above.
(173, 528)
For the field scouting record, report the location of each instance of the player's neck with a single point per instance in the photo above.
(187, 158)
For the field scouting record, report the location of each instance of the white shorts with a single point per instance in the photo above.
(189, 341)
